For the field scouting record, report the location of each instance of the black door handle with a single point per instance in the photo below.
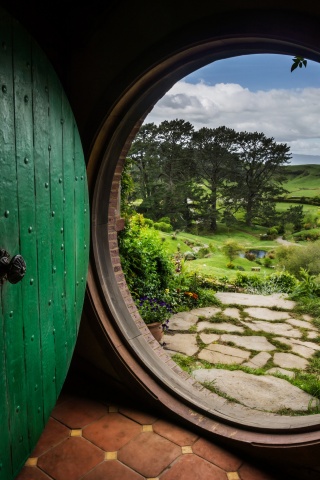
(12, 270)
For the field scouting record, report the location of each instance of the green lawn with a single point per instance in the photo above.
(307, 209)
(216, 264)
(302, 180)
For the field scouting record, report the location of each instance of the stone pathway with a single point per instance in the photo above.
(251, 331)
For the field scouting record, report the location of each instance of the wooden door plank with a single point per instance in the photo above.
(46, 271)
(81, 227)
(5, 166)
(57, 224)
(12, 298)
(69, 227)
(22, 62)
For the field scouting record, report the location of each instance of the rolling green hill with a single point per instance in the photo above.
(302, 180)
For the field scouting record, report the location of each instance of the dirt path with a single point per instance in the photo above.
(286, 242)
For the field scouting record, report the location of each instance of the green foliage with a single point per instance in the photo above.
(231, 248)
(267, 262)
(273, 231)
(295, 258)
(291, 219)
(203, 252)
(312, 235)
(164, 227)
(145, 263)
(308, 286)
(127, 189)
(154, 309)
(298, 62)
(250, 256)
(277, 282)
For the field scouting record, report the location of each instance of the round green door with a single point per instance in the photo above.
(44, 216)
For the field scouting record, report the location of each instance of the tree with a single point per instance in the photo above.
(143, 159)
(213, 151)
(231, 249)
(257, 175)
(293, 215)
(162, 169)
(176, 170)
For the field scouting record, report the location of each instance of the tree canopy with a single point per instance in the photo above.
(201, 177)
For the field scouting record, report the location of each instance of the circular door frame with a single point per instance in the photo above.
(141, 361)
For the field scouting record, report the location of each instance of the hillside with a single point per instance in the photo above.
(302, 180)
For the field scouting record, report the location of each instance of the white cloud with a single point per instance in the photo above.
(289, 116)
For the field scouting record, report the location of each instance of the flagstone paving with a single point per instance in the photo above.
(248, 330)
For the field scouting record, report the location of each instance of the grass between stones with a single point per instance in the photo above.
(307, 380)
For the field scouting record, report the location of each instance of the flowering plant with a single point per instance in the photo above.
(154, 310)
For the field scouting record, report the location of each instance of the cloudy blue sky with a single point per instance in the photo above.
(254, 93)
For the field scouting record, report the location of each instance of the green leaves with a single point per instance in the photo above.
(298, 62)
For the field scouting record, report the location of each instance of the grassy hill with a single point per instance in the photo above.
(302, 180)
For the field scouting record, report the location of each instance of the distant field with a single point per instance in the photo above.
(302, 180)
(216, 264)
(307, 209)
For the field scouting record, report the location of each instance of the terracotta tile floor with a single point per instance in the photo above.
(90, 439)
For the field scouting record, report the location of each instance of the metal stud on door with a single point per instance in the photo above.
(44, 238)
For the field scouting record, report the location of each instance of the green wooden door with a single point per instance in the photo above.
(44, 216)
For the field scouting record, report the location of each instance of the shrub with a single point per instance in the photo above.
(267, 262)
(250, 256)
(231, 249)
(230, 265)
(293, 259)
(148, 222)
(165, 220)
(308, 286)
(203, 252)
(146, 265)
(164, 227)
(273, 231)
(278, 282)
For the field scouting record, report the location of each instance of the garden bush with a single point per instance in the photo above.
(277, 282)
(293, 259)
(164, 227)
(146, 265)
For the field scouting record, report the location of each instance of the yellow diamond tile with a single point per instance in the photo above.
(31, 462)
(76, 433)
(147, 428)
(233, 476)
(110, 456)
(186, 449)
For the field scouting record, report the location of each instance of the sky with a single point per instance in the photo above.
(253, 93)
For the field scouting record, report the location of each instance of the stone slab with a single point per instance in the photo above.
(305, 349)
(281, 329)
(206, 312)
(209, 337)
(302, 324)
(289, 360)
(261, 392)
(232, 312)
(182, 321)
(215, 353)
(250, 300)
(263, 313)
(312, 335)
(250, 342)
(182, 342)
(221, 326)
(283, 371)
(258, 361)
